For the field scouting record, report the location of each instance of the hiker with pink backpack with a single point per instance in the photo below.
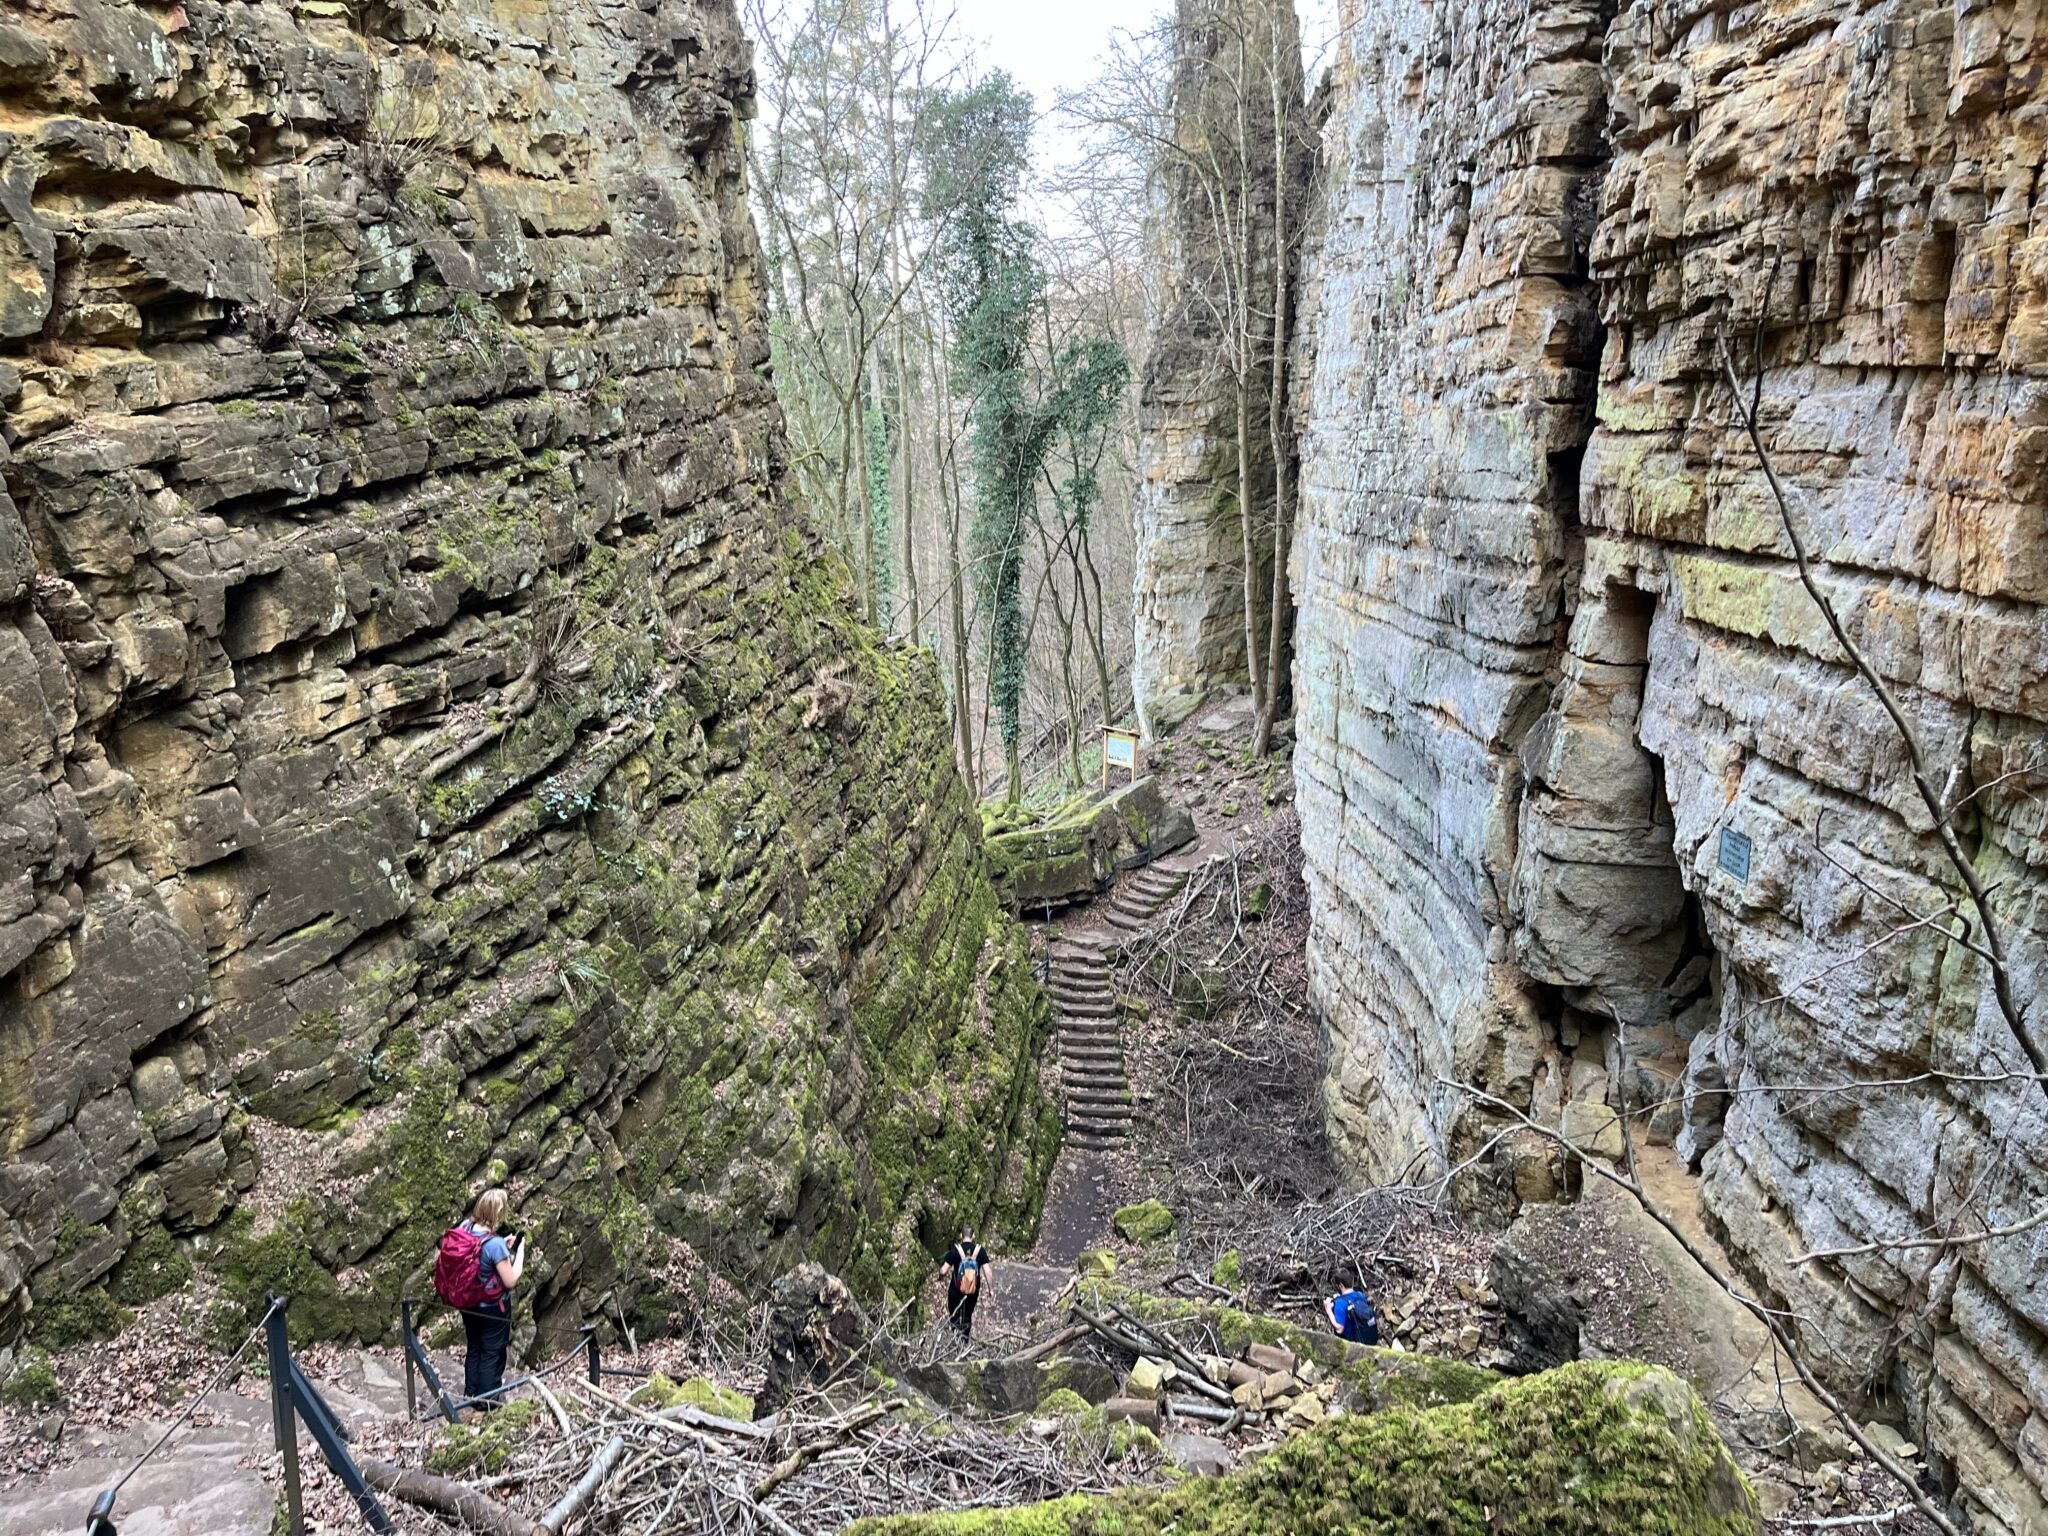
(475, 1273)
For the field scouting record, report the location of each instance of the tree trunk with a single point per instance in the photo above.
(907, 513)
(871, 580)
(1276, 410)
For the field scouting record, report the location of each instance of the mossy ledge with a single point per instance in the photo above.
(1591, 1449)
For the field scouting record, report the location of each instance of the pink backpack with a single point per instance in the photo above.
(459, 1270)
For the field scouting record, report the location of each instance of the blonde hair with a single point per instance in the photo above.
(491, 1206)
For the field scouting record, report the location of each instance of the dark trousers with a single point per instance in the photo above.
(489, 1331)
(961, 1310)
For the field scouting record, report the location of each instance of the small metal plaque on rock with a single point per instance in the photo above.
(1735, 854)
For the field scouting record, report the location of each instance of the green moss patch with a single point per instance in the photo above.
(1592, 1449)
(32, 1384)
(1145, 1223)
(485, 1446)
(698, 1392)
(58, 1322)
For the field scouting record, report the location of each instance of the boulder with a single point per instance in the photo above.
(1073, 851)
(1145, 1223)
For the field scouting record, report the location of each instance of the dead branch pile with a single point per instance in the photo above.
(620, 1468)
(1367, 1239)
(1235, 1057)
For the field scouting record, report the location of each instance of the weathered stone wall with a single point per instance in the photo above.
(431, 747)
(1553, 646)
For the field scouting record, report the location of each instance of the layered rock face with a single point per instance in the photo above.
(1594, 809)
(432, 750)
(1217, 253)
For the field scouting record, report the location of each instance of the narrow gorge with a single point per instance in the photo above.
(528, 661)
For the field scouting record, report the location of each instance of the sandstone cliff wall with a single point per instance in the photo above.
(1554, 660)
(431, 747)
(1189, 607)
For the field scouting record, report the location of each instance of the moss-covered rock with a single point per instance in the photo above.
(486, 1445)
(698, 1392)
(1228, 1269)
(1069, 852)
(1591, 1449)
(58, 1322)
(1145, 1223)
(33, 1384)
(1062, 1403)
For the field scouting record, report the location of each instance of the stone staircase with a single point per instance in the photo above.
(1143, 897)
(1092, 1077)
(1092, 1080)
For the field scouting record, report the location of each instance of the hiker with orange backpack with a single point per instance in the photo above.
(966, 1271)
(475, 1273)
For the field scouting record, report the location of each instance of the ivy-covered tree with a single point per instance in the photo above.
(976, 144)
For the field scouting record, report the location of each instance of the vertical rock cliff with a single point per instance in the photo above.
(1217, 257)
(1593, 808)
(432, 749)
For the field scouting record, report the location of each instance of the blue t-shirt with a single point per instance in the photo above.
(493, 1253)
(1355, 1317)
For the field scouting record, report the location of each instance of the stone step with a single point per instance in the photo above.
(1091, 1032)
(1075, 970)
(1092, 1074)
(1094, 1068)
(1094, 1141)
(1102, 1100)
(1089, 1011)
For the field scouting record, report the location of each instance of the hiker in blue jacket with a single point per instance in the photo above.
(1351, 1317)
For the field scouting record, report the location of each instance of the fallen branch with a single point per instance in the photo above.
(602, 1465)
(445, 1496)
(807, 1453)
(1045, 1347)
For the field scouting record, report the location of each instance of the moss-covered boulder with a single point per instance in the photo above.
(1072, 850)
(1145, 1223)
(1590, 1449)
(697, 1392)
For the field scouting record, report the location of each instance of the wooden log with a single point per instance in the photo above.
(1138, 1410)
(602, 1465)
(1045, 1347)
(446, 1496)
(1197, 1408)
